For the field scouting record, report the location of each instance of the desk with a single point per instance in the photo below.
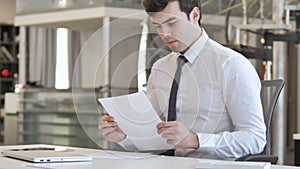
(154, 162)
(296, 138)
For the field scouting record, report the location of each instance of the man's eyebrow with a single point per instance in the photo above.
(166, 21)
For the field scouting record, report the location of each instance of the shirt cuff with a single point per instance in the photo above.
(127, 144)
(206, 141)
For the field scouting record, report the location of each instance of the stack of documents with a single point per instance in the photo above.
(222, 164)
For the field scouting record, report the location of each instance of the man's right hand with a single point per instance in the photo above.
(110, 129)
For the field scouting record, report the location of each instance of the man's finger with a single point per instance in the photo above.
(166, 124)
(108, 131)
(102, 126)
(107, 118)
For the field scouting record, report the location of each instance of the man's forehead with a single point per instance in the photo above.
(160, 17)
(162, 14)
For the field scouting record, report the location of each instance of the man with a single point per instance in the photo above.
(218, 108)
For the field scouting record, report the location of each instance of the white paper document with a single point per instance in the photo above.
(222, 164)
(137, 118)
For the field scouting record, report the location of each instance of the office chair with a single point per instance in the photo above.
(270, 92)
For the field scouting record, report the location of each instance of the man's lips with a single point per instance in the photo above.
(171, 41)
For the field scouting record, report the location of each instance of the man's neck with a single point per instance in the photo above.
(200, 34)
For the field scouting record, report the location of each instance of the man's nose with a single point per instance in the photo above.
(165, 32)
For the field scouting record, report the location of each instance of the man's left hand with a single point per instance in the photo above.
(178, 135)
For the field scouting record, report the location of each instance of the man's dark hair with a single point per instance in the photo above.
(152, 6)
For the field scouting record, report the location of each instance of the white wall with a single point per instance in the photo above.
(7, 11)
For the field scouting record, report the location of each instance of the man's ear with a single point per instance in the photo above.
(195, 15)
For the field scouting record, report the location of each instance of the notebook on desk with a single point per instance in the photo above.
(46, 155)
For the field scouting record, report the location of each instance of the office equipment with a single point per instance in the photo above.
(45, 155)
(269, 95)
(7, 54)
(8, 48)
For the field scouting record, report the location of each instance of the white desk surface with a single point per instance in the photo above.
(154, 162)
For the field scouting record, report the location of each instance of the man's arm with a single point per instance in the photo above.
(241, 92)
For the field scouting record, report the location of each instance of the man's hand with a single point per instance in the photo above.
(178, 135)
(110, 129)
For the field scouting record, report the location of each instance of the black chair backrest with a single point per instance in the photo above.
(270, 91)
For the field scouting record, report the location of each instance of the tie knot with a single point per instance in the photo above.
(183, 58)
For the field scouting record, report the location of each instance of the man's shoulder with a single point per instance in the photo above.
(165, 60)
(225, 53)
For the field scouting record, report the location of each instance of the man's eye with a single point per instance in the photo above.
(157, 26)
(171, 23)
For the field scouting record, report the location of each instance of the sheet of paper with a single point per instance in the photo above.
(137, 118)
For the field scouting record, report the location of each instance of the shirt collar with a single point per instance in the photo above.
(194, 51)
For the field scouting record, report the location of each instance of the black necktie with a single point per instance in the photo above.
(181, 60)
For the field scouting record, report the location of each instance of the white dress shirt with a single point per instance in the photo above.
(218, 98)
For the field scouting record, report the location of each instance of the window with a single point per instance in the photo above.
(62, 70)
(142, 60)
